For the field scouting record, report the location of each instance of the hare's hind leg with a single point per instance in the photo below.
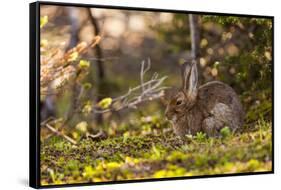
(211, 126)
(221, 116)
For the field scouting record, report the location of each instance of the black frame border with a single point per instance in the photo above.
(34, 93)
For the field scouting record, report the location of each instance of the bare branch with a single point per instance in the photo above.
(146, 91)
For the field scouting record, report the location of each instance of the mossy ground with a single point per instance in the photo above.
(151, 150)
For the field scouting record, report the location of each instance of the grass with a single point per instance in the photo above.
(151, 150)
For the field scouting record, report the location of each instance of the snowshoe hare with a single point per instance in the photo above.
(207, 108)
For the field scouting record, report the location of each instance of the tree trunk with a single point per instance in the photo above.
(75, 28)
(194, 35)
(195, 41)
(100, 66)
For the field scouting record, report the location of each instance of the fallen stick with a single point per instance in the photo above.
(52, 129)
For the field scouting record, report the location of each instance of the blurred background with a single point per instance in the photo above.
(235, 50)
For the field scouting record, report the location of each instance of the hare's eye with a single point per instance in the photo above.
(179, 102)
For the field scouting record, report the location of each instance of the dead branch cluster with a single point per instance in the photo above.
(58, 67)
(145, 91)
(149, 90)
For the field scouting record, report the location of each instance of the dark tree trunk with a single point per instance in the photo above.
(75, 28)
(100, 66)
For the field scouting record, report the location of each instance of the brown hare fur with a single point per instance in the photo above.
(207, 108)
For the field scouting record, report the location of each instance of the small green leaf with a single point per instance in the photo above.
(105, 103)
(52, 174)
(82, 126)
(84, 64)
(156, 151)
(87, 108)
(126, 135)
(200, 136)
(225, 132)
(43, 21)
(87, 85)
(73, 56)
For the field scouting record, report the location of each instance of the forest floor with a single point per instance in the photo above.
(153, 151)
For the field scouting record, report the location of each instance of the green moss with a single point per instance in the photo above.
(138, 156)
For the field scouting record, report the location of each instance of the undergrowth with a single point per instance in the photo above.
(152, 151)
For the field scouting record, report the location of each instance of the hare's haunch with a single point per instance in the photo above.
(208, 108)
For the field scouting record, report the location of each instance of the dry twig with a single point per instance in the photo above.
(55, 131)
(146, 91)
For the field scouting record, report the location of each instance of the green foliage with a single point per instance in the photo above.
(163, 153)
(170, 171)
(260, 110)
(225, 132)
(200, 136)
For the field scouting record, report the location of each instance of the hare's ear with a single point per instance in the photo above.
(190, 79)
(185, 73)
(193, 81)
